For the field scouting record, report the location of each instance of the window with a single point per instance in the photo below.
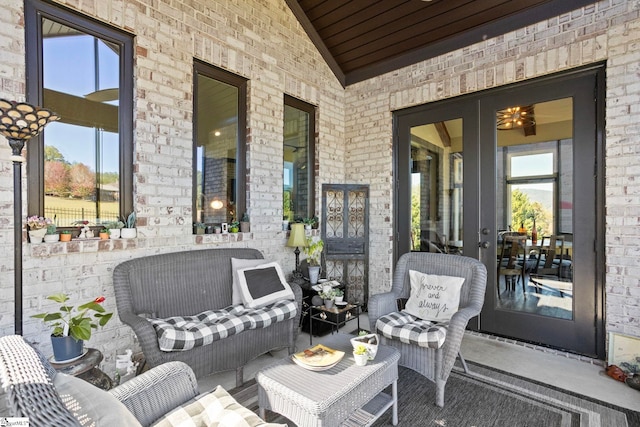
(81, 168)
(219, 145)
(298, 188)
(532, 188)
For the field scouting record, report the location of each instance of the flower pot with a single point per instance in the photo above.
(51, 238)
(128, 233)
(115, 233)
(360, 359)
(370, 341)
(36, 236)
(103, 236)
(338, 299)
(245, 227)
(328, 303)
(66, 348)
(65, 237)
(314, 273)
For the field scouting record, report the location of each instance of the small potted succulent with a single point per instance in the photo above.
(360, 355)
(199, 227)
(65, 236)
(245, 225)
(234, 226)
(114, 228)
(369, 341)
(51, 235)
(104, 234)
(129, 230)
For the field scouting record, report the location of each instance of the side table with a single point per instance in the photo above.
(335, 317)
(87, 369)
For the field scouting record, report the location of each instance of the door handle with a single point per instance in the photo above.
(483, 245)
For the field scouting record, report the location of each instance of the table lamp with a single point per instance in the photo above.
(297, 239)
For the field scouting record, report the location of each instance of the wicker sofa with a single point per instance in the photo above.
(32, 389)
(187, 283)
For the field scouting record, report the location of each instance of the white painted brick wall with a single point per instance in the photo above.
(604, 31)
(169, 34)
(262, 41)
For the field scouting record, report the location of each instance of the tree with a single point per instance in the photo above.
(56, 178)
(523, 211)
(52, 154)
(82, 181)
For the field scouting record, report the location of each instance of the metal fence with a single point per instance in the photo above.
(65, 217)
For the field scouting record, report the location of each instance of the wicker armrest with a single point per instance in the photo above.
(379, 305)
(154, 393)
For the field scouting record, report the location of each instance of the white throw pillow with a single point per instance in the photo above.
(433, 297)
(236, 264)
(263, 285)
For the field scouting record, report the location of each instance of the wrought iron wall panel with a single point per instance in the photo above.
(345, 231)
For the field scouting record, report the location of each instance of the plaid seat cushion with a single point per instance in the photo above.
(258, 318)
(215, 409)
(181, 333)
(402, 326)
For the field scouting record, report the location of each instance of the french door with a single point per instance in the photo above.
(475, 171)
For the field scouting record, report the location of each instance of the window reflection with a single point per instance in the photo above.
(82, 150)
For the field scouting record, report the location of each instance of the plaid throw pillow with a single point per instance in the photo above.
(215, 409)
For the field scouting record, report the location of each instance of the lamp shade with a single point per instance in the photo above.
(297, 238)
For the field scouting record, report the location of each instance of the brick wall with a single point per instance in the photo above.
(262, 41)
(607, 30)
(259, 40)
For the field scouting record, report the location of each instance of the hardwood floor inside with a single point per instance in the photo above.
(544, 296)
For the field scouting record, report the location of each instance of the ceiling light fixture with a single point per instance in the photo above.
(515, 117)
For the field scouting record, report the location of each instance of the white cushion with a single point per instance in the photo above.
(263, 285)
(217, 408)
(433, 297)
(91, 405)
(237, 263)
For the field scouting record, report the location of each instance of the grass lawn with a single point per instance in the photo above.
(67, 211)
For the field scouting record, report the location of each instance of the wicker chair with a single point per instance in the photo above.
(31, 388)
(433, 363)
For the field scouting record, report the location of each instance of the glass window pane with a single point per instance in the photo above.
(82, 150)
(298, 185)
(216, 150)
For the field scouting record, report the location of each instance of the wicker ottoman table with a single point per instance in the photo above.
(346, 394)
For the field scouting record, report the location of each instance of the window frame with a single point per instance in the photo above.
(240, 83)
(311, 156)
(35, 11)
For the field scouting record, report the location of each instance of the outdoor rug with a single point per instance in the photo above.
(485, 397)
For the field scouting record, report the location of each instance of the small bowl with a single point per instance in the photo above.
(341, 304)
(322, 280)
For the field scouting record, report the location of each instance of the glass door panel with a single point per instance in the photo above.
(534, 180)
(436, 177)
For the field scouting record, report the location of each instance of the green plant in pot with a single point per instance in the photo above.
(115, 229)
(245, 225)
(72, 326)
(51, 235)
(313, 251)
(234, 226)
(129, 230)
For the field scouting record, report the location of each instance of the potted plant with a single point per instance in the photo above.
(51, 235)
(313, 251)
(104, 234)
(65, 236)
(309, 222)
(369, 341)
(338, 295)
(72, 326)
(199, 227)
(245, 226)
(114, 228)
(360, 355)
(327, 296)
(37, 226)
(234, 226)
(129, 230)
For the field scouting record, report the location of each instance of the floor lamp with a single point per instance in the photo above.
(20, 122)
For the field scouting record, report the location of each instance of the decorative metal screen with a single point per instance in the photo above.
(345, 216)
